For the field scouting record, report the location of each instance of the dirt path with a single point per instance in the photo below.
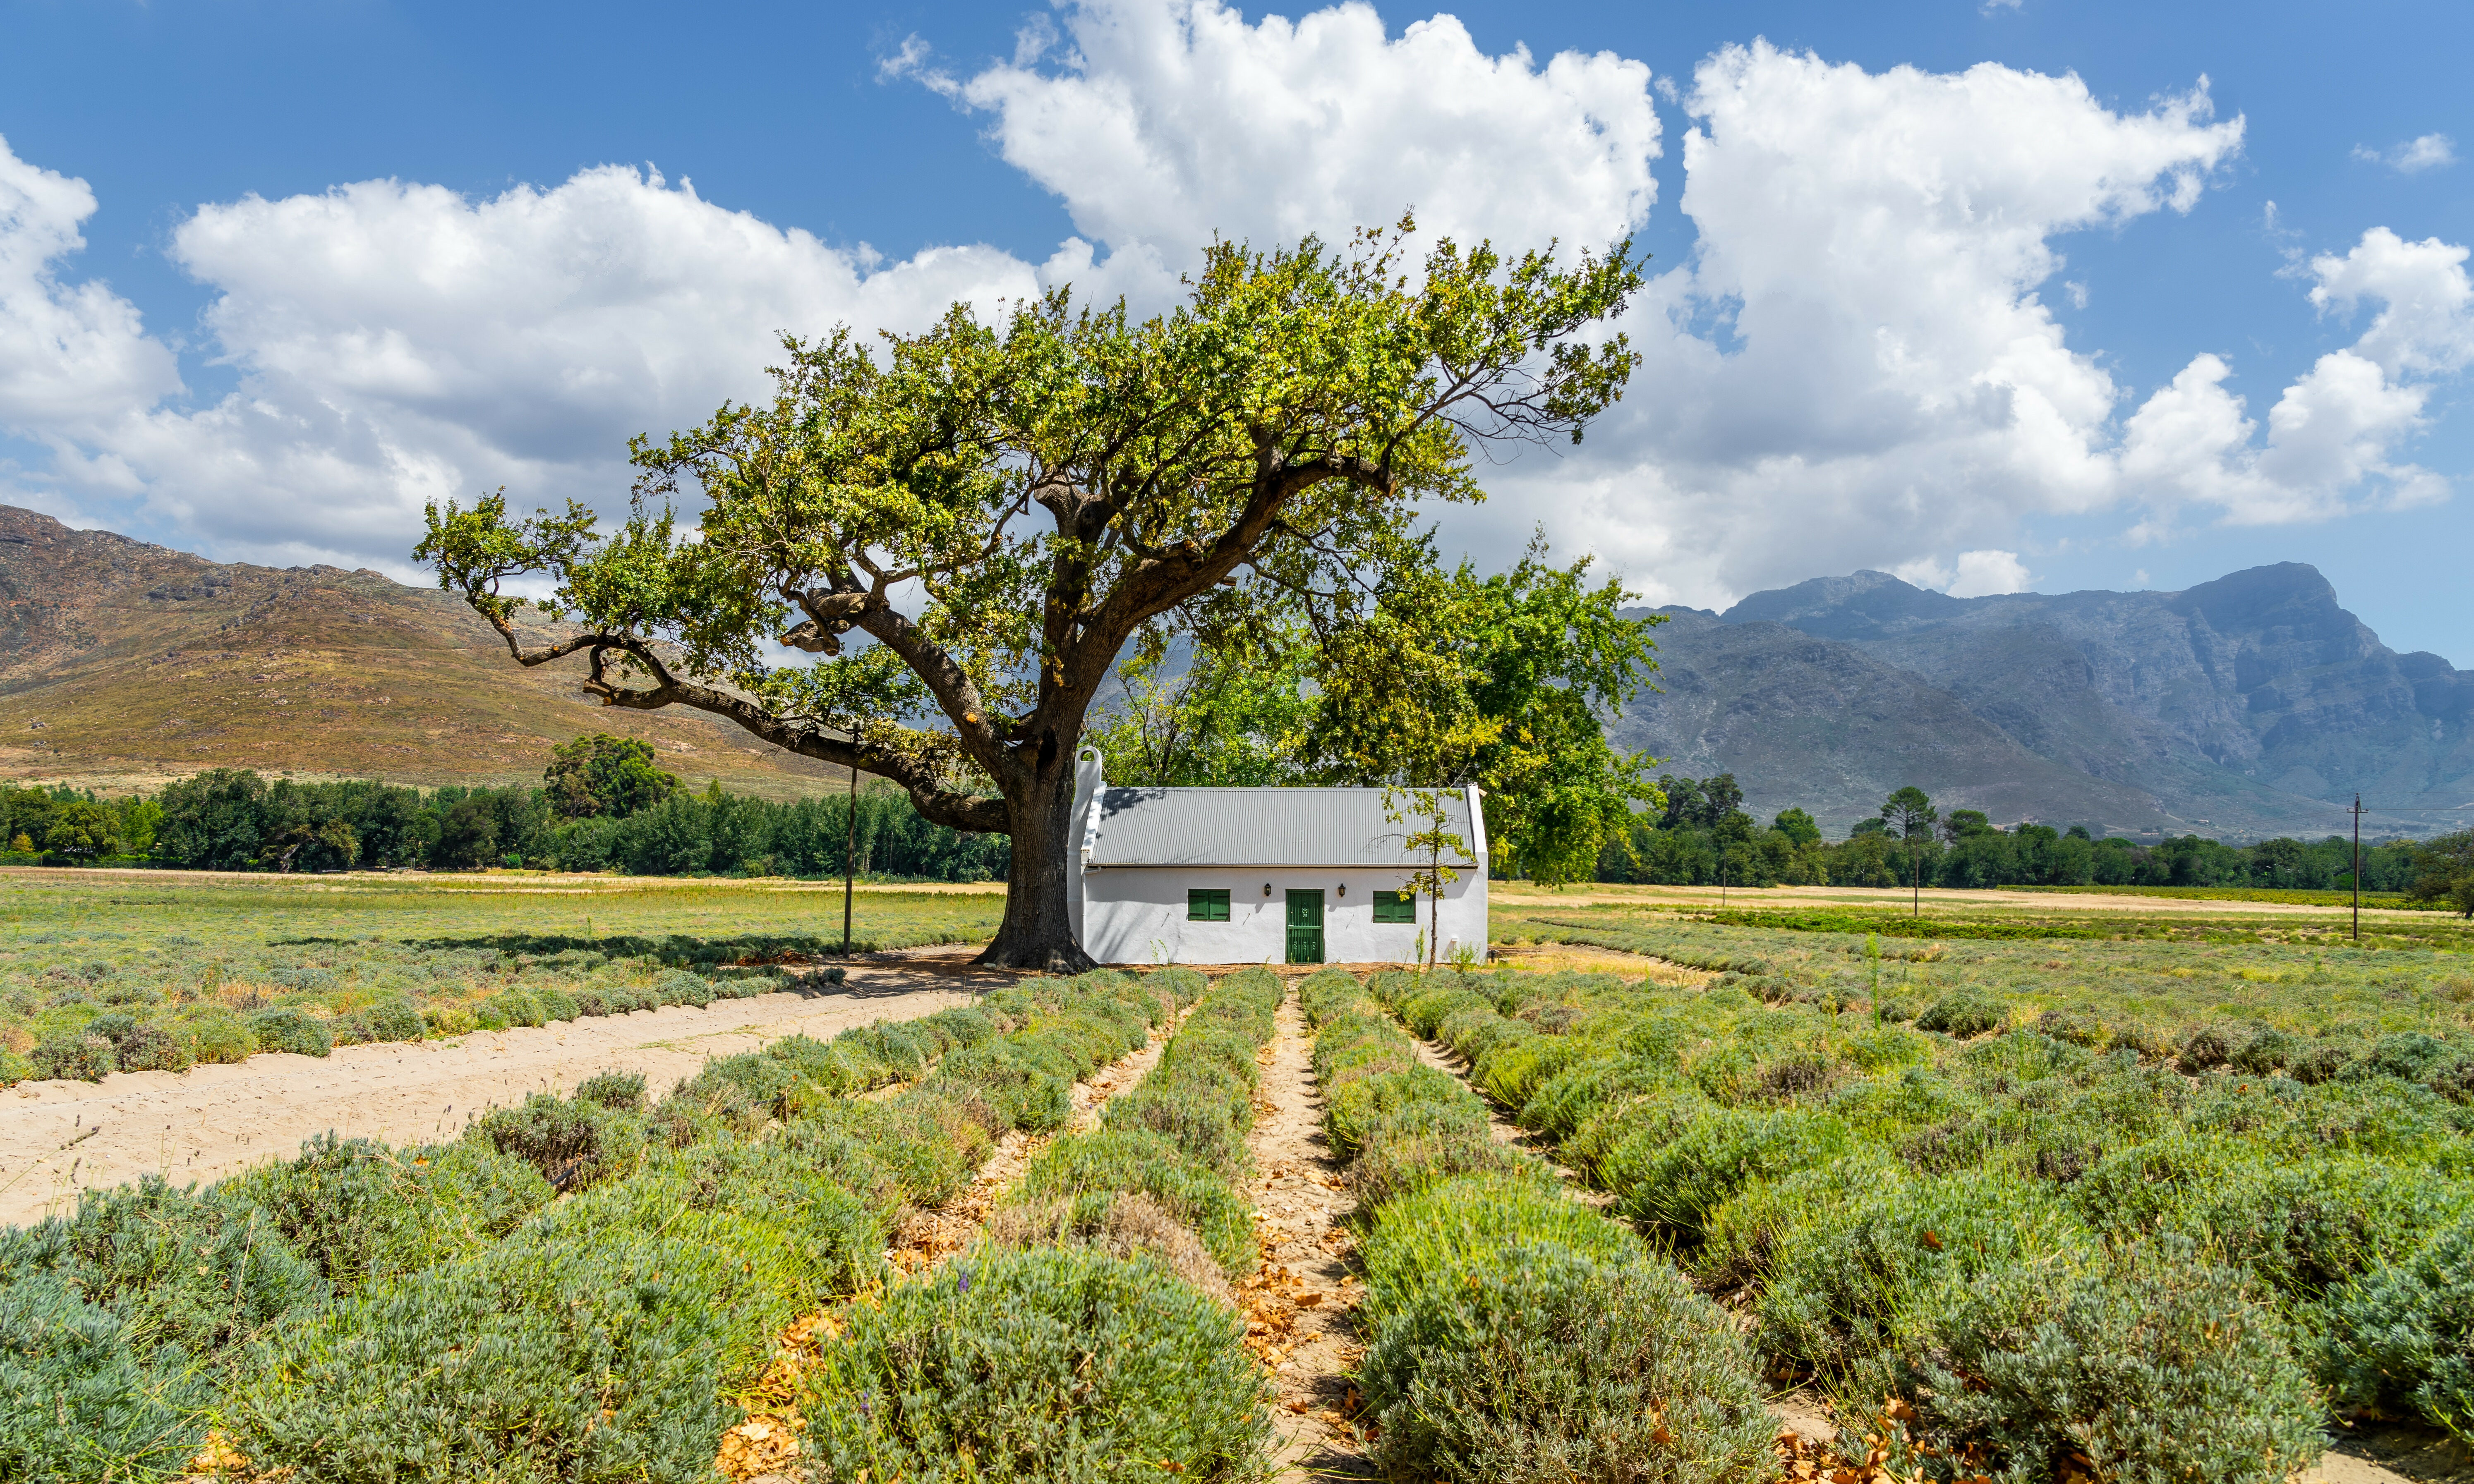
(1500, 1124)
(58, 1138)
(1301, 1307)
(928, 1238)
(768, 1444)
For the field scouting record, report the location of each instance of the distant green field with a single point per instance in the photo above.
(203, 959)
(2395, 901)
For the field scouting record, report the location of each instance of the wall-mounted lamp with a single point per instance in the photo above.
(1267, 888)
(1344, 889)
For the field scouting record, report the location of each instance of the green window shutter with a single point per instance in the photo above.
(1394, 907)
(1206, 906)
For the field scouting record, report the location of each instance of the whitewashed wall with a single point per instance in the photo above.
(1136, 915)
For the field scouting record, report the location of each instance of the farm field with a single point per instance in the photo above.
(2036, 1191)
(158, 970)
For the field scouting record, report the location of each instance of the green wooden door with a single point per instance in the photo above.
(1305, 928)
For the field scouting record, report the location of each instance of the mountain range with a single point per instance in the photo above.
(2248, 706)
(123, 664)
(2251, 705)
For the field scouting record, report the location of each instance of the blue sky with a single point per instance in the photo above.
(256, 364)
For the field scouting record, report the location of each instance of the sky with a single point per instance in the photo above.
(1996, 296)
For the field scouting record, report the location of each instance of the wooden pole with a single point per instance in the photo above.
(850, 859)
(2358, 868)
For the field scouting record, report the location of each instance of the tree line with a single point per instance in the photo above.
(603, 805)
(1702, 836)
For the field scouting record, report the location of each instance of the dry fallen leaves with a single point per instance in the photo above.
(1885, 1438)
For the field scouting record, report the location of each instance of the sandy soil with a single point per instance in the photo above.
(1300, 1305)
(61, 1137)
(765, 1448)
(928, 1238)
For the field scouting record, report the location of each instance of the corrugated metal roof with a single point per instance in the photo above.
(1262, 826)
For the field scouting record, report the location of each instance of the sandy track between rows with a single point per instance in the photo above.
(1301, 1307)
(58, 1138)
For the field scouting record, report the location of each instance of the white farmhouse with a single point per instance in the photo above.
(1255, 875)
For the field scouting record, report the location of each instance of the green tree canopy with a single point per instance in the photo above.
(1963, 822)
(603, 774)
(1909, 813)
(84, 829)
(1797, 826)
(2444, 872)
(997, 508)
(1450, 679)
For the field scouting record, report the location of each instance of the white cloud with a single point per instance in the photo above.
(1163, 122)
(2330, 435)
(1855, 362)
(400, 344)
(1981, 573)
(72, 358)
(2428, 152)
(2426, 323)
(1976, 574)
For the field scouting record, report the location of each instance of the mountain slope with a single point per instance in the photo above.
(123, 663)
(2253, 705)
(1825, 726)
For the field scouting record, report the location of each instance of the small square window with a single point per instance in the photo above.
(1206, 906)
(1394, 907)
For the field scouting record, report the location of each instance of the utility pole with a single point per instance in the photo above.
(1916, 880)
(850, 857)
(2358, 870)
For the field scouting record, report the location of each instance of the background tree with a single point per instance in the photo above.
(1230, 714)
(469, 835)
(1443, 679)
(1963, 823)
(603, 774)
(997, 510)
(1909, 814)
(1797, 826)
(1425, 817)
(82, 830)
(2444, 872)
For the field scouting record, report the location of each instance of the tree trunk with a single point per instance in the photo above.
(1038, 927)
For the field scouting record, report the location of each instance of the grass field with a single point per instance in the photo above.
(167, 969)
(2041, 1192)
(2391, 900)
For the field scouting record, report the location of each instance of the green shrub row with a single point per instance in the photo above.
(147, 1037)
(1174, 1147)
(2049, 1252)
(1088, 1337)
(1515, 1333)
(365, 1313)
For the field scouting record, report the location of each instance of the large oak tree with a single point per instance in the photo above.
(996, 510)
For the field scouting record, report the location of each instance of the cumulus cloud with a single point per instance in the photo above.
(2330, 435)
(1856, 361)
(2428, 151)
(1976, 574)
(400, 343)
(1160, 122)
(1855, 365)
(73, 358)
